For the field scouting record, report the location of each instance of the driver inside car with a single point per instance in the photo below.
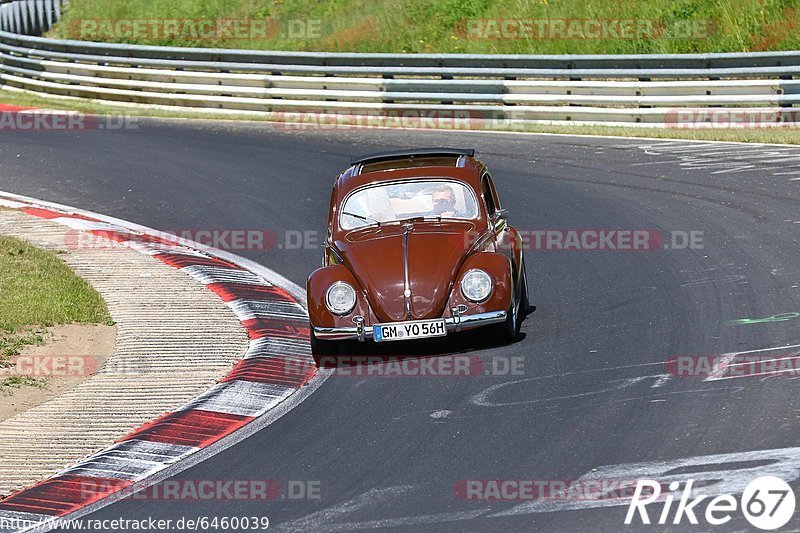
(444, 201)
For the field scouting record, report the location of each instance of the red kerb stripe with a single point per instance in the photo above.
(184, 260)
(62, 495)
(48, 214)
(240, 291)
(281, 328)
(192, 427)
(274, 370)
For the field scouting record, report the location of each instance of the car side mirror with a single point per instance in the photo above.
(501, 214)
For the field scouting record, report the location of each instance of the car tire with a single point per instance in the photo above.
(507, 332)
(321, 349)
(525, 303)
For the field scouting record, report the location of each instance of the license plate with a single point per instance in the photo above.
(400, 331)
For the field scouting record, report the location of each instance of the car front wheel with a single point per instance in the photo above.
(508, 331)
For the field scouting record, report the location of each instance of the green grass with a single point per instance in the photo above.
(38, 290)
(439, 25)
(16, 382)
(12, 340)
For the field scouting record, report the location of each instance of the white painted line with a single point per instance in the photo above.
(705, 150)
(761, 350)
(723, 474)
(721, 375)
(721, 366)
(661, 381)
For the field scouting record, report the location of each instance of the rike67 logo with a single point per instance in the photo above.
(767, 502)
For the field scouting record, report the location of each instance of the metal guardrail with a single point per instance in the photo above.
(625, 89)
(29, 17)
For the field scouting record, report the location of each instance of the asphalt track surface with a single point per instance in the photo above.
(387, 451)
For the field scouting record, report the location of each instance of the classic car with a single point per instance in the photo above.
(417, 247)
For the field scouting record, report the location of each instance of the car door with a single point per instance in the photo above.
(506, 238)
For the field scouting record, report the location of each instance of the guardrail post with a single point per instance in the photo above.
(48, 10)
(17, 22)
(57, 5)
(29, 17)
(37, 22)
(27, 20)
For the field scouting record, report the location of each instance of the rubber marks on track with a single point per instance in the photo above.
(276, 364)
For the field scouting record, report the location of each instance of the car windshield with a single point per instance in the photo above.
(378, 204)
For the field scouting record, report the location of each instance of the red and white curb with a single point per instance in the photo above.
(275, 374)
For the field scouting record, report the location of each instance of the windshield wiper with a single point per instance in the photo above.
(421, 218)
(361, 217)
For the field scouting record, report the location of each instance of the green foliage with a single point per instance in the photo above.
(437, 25)
(37, 288)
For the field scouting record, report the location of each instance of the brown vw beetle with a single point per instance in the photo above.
(417, 247)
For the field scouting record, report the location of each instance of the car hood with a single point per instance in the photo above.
(376, 257)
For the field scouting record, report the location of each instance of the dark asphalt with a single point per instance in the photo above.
(387, 452)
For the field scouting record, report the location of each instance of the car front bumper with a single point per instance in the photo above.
(454, 324)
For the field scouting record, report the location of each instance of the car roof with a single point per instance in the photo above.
(459, 165)
(411, 153)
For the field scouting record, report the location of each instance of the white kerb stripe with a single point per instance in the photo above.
(237, 397)
(211, 274)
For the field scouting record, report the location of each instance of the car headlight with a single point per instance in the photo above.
(340, 298)
(476, 285)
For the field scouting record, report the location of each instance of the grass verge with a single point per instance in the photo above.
(38, 290)
(552, 27)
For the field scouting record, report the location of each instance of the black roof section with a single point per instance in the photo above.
(418, 152)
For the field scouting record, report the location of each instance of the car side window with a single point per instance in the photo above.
(495, 198)
(487, 195)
